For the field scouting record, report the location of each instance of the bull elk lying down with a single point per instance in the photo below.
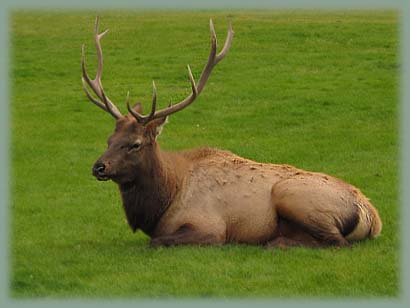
(210, 196)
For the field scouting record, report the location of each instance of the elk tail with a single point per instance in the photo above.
(369, 224)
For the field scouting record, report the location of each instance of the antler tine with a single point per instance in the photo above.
(227, 44)
(213, 59)
(97, 40)
(132, 111)
(139, 117)
(95, 84)
(92, 99)
(154, 101)
(181, 105)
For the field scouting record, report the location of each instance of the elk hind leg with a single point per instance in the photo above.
(311, 211)
(290, 234)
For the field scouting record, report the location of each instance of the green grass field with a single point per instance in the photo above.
(318, 90)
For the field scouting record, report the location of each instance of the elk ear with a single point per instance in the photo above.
(138, 107)
(154, 128)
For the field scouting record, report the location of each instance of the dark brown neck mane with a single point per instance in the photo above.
(147, 198)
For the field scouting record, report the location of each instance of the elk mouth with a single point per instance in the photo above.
(101, 177)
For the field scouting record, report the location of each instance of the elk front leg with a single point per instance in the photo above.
(188, 235)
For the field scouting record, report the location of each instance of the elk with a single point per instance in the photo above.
(209, 196)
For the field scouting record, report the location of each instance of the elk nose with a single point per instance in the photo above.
(99, 168)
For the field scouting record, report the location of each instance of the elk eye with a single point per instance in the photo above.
(134, 146)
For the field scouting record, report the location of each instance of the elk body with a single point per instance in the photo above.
(210, 196)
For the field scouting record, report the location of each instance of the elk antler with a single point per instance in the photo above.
(213, 59)
(95, 84)
(106, 104)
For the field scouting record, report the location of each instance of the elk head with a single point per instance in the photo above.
(132, 147)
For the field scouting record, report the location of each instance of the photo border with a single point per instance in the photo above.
(403, 8)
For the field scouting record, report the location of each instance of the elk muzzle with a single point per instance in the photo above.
(99, 171)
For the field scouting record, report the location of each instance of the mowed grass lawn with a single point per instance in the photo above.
(314, 89)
